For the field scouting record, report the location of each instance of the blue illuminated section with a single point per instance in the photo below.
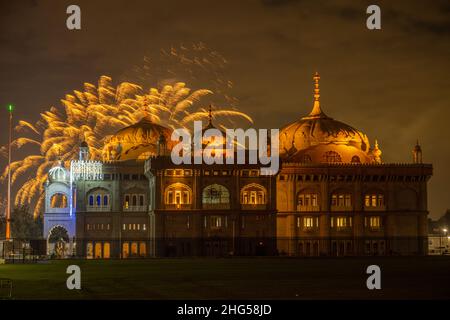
(83, 170)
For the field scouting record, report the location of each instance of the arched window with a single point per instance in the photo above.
(58, 200)
(253, 194)
(98, 200)
(374, 200)
(331, 157)
(307, 201)
(355, 159)
(134, 202)
(341, 199)
(105, 200)
(215, 194)
(178, 194)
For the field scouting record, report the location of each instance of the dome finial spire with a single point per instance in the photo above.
(316, 111)
(316, 87)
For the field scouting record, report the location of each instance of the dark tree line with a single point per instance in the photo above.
(23, 224)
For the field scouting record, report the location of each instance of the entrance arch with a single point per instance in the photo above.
(59, 243)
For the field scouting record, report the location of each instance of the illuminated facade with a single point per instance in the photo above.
(332, 196)
(336, 197)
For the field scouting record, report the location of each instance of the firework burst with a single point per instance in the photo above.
(92, 115)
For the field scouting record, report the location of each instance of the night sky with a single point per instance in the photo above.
(392, 84)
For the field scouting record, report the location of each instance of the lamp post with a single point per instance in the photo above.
(444, 232)
(8, 207)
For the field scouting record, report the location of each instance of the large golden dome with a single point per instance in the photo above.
(138, 141)
(318, 138)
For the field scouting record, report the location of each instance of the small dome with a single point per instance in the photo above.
(319, 138)
(58, 173)
(83, 144)
(138, 141)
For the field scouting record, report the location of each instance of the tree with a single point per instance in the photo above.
(23, 225)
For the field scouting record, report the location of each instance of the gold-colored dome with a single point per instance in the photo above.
(319, 138)
(138, 141)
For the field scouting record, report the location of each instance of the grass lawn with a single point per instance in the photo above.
(234, 278)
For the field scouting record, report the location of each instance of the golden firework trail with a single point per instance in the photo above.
(93, 115)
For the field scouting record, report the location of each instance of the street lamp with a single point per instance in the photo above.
(8, 208)
(444, 233)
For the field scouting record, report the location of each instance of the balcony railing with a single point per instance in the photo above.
(377, 208)
(374, 229)
(253, 206)
(341, 208)
(343, 229)
(98, 208)
(310, 229)
(216, 206)
(177, 206)
(308, 208)
(135, 208)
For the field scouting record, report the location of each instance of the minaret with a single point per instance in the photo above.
(417, 153)
(376, 152)
(316, 111)
(84, 151)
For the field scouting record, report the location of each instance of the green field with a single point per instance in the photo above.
(234, 278)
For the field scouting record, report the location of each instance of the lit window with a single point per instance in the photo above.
(178, 193)
(367, 201)
(341, 200)
(334, 200)
(308, 222)
(58, 200)
(375, 222)
(380, 201)
(134, 248)
(253, 194)
(355, 159)
(374, 200)
(127, 201)
(307, 199)
(216, 221)
(348, 200)
(341, 222)
(144, 227)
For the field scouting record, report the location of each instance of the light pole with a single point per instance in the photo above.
(444, 231)
(8, 208)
